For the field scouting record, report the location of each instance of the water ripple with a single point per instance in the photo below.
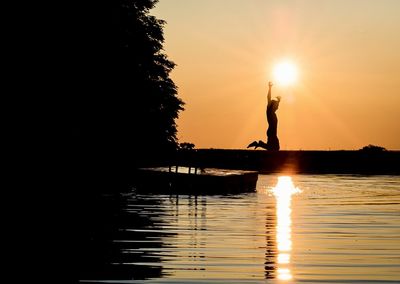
(340, 229)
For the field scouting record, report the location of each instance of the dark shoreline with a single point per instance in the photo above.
(296, 162)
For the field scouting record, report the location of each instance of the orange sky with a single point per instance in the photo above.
(347, 53)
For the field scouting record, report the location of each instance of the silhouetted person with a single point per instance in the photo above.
(273, 141)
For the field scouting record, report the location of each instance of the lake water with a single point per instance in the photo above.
(304, 228)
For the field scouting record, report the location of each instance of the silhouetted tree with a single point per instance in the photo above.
(124, 105)
(153, 104)
(186, 146)
(372, 148)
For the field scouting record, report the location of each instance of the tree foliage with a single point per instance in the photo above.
(156, 105)
(372, 148)
(186, 146)
(127, 104)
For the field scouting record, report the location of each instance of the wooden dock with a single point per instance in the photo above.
(190, 180)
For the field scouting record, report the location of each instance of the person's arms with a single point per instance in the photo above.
(269, 92)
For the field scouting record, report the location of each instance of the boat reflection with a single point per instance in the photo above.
(283, 192)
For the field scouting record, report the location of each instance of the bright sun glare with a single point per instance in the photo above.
(283, 192)
(285, 73)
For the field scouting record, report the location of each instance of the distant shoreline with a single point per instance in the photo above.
(296, 162)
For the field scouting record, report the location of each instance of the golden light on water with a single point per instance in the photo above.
(285, 73)
(284, 258)
(284, 274)
(283, 192)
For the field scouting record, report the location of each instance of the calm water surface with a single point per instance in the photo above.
(307, 228)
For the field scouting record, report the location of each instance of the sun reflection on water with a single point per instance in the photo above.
(283, 192)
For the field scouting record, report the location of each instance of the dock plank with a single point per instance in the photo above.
(181, 180)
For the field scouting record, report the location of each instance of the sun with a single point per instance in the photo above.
(285, 73)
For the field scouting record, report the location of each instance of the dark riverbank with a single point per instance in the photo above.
(307, 162)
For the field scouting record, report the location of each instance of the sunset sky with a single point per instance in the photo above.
(347, 53)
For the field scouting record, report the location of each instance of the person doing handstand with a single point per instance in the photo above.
(273, 141)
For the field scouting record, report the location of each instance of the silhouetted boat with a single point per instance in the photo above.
(189, 180)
